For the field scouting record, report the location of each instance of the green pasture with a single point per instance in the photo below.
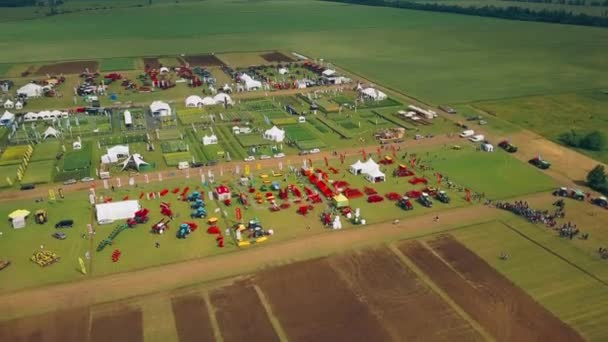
(247, 140)
(574, 296)
(4, 68)
(117, 64)
(552, 115)
(78, 159)
(45, 151)
(173, 146)
(170, 134)
(496, 174)
(39, 172)
(528, 53)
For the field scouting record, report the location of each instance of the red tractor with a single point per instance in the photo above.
(141, 216)
(405, 203)
(160, 226)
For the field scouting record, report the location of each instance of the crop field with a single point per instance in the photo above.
(39, 172)
(172, 159)
(45, 151)
(173, 146)
(8, 172)
(117, 64)
(247, 140)
(78, 159)
(258, 105)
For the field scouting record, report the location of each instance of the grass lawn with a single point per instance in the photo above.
(247, 140)
(172, 159)
(45, 151)
(552, 115)
(8, 171)
(39, 172)
(78, 159)
(572, 295)
(497, 174)
(4, 68)
(117, 64)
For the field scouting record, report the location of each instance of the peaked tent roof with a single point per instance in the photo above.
(7, 116)
(358, 165)
(193, 100)
(134, 160)
(50, 132)
(221, 98)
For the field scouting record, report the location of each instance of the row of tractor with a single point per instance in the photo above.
(424, 198)
(579, 195)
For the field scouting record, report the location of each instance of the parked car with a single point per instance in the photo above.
(467, 133)
(59, 236)
(64, 224)
(249, 158)
(539, 163)
(264, 157)
(28, 186)
(87, 179)
(70, 181)
(315, 150)
(303, 153)
(279, 155)
(507, 146)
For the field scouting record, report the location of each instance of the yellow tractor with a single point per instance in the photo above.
(41, 216)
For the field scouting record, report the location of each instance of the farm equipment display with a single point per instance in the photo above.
(4, 264)
(405, 203)
(141, 216)
(41, 216)
(194, 196)
(160, 226)
(200, 212)
(577, 194)
(116, 255)
(44, 258)
(540, 163)
(198, 203)
(442, 197)
(108, 241)
(185, 229)
(425, 200)
(507, 146)
(403, 171)
(418, 180)
(165, 209)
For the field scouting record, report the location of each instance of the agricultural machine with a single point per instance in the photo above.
(405, 203)
(41, 216)
(160, 226)
(507, 146)
(578, 195)
(194, 196)
(200, 212)
(108, 241)
(116, 255)
(198, 203)
(442, 197)
(425, 200)
(141, 216)
(185, 229)
(601, 202)
(403, 171)
(44, 258)
(165, 209)
(4, 264)
(539, 163)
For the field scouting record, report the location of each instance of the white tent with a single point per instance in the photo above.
(250, 83)
(209, 101)
(31, 90)
(274, 134)
(164, 70)
(7, 118)
(45, 115)
(301, 119)
(112, 211)
(210, 140)
(160, 108)
(76, 145)
(374, 175)
(356, 168)
(9, 104)
(134, 161)
(194, 101)
(18, 105)
(50, 132)
(329, 72)
(114, 153)
(373, 94)
(222, 98)
(283, 71)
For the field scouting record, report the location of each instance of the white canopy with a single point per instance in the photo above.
(283, 71)
(7, 118)
(250, 83)
(222, 98)
(9, 104)
(373, 94)
(134, 161)
(274, 134)
(210, 140)
(356, 168)
(374, 175)
(31, 90)
(329, 72)
(194, 101)
(112, 211)
(119, 150)
(45, 115)
(50, 132)
(164, 70)
(209, 101)
(160, 108)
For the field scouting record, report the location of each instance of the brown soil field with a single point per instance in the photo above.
(192, 319)
(240, 314)
(75, 67)
(313, 303)
(394, 292)
(495, 307)
(124, 324)
(58, 326)
(203, 60)
(152, 62)
(526, 319)
(276, 57)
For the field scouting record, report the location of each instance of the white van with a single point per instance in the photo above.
(467, 133)
(477, 138)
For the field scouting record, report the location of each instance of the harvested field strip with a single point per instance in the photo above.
(58, 326)
(233, 303)
(394, 291)
(229, 142)
(498, 310)
(328, 311)
(123, 325)
(192, 319)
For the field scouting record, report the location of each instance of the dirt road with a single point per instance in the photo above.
(164, 278)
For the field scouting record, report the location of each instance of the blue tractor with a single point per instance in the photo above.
(194, 196)
(183, 231)
(197, 204)
(200, 212)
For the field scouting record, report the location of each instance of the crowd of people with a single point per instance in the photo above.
(521, 208)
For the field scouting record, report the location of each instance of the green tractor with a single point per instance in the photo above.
(442, 197)
(425, 200)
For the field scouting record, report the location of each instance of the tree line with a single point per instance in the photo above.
(593, 141)
(18, 3)
(592, 3)
(598, 180)
(511, 12)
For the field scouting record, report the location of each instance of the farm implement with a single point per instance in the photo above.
(44, 258)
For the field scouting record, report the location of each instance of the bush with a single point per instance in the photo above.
(598, 180)
(594, 141)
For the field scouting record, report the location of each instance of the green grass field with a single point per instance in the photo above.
(572, 295)
(39, 172)
(172, 159)
(78, 159)
(528, 53)
(13, 155)
(45, 151)
(117, 64)
(247, 140)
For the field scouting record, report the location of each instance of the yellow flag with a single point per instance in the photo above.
(83, 269)
(51, 195)
(259, 166)
(247, 170)
(9, 181)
